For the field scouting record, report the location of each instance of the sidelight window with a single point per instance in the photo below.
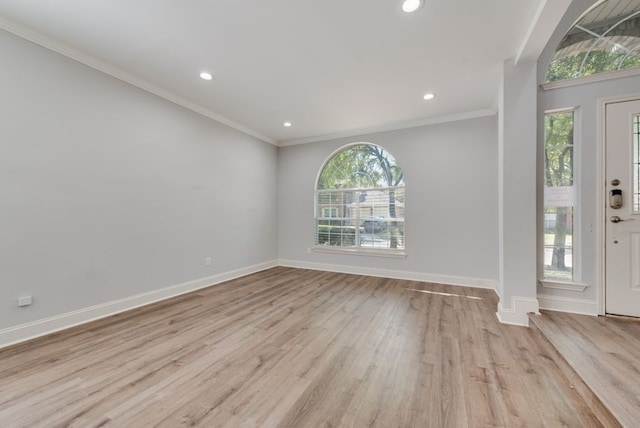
(559, 196)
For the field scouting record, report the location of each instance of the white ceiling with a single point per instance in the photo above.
(330, 67)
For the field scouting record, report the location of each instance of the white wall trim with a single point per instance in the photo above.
(517, 314)
(393, 127)
(88, 60)
(394, 254)
(563, 285)
(600, 77)
(31, 330)
(600, 201)
(93, 62)
(564, 304)
(395, 274)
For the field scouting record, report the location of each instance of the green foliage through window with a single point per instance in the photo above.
(361, 166)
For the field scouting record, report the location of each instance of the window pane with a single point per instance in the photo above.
(371, 218)
(558, 243)
(333, 225)
(382, 214)
(559, 149)
(559, 196)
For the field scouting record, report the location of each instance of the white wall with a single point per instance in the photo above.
(107, 191)
(451, 203)
(585, 98)
(517, 193)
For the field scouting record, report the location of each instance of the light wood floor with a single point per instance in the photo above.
(605, 353)
(294, 348)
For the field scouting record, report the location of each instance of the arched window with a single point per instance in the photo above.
(360, 201)
(605, 38)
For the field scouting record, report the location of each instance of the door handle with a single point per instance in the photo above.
(617, 219)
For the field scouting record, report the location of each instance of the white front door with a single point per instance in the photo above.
(622, 246)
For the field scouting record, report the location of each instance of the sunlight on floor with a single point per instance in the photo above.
(444, 294)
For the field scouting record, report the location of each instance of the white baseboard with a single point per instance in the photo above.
(564, 304)
(396, 274)
(517, 314)
(31, 330)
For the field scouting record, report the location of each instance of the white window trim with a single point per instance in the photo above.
(381, 252)
(563, 285)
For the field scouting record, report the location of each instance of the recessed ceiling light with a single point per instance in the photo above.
(429, 96)
(206, 76)
(287, 124)
(411, 5)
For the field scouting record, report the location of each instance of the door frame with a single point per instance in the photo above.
(601, 158)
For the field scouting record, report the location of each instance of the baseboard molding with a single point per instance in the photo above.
(518, 313)
(31, 330)
(564, 304)
(396, 274)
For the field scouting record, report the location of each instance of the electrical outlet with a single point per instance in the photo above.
(207, 261)
(24, 300)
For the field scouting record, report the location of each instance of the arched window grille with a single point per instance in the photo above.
(606, 38)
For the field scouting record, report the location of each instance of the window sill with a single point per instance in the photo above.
(360, 252)
(563, 285)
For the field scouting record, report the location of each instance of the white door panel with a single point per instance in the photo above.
(623, 224)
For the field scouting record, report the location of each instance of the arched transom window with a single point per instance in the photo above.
(360, 201)
(605, 38)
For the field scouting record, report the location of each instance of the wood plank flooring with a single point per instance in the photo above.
(294, 348)
(605, 353)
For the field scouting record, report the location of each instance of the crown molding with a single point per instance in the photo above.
(90, 61)
(97, 64)
(393, 127)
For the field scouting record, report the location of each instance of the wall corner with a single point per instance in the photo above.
(517, 313)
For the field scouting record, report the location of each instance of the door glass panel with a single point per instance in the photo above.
(636, 163)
